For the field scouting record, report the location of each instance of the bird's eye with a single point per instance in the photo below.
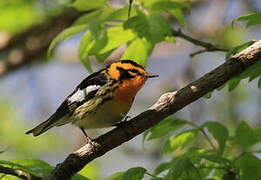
(134, 71)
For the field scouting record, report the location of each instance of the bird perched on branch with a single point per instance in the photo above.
(101, 100)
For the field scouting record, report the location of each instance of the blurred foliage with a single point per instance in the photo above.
(30, 12)
(223, 153)
(21, 144)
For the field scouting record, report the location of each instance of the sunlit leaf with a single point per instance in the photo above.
(164, 127)
(116, 36)
(115, 176)
(218, 131)
(168, 5)
(252, 19)
(179, 141)
(65, 35)
(83, 49)
(87, 18)
(139, 51)
(83, 5)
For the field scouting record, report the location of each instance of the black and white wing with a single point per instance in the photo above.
(83, 92)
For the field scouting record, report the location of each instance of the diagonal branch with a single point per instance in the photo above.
(168, 104)
(208, 47)
(18, 173)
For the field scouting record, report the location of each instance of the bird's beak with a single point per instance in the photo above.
(151, 75)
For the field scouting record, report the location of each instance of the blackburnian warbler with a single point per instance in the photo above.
(101, 100)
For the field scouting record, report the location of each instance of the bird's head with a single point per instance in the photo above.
(128, 71)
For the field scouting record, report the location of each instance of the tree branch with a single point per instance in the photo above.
(208, 47)
(168, 104)
(18, 173)
(30, 45)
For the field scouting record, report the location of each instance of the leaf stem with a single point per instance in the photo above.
(151, 175)
(205, 134)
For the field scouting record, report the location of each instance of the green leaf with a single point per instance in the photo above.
(219, 132)
(233, 83)
(253, 72)
(115, 176)
(153, 27)
(84, 5)
(116, 36)
(118, 14)
(179, 141)
(179, 15)
(249, 167)
(139, 51)
(259, 83)
(159, 27)
(164, 127)
(169, 5)
(244, 135)
(162, 167)
(83, 49)
(183, 167)
(135, 173)
(237, 49)
(33, 166)
(214, 156)
(252, 19)
(65, 35)
(139, 24)
(87, 18)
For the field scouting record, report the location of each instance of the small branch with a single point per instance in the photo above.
(18, 173)
(168, 104)
(208, 47)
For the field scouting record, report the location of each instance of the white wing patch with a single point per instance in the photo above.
(79, 95)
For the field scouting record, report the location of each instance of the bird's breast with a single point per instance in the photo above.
(106, 114)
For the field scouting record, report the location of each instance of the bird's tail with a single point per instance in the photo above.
(40, 128)
(44, 126)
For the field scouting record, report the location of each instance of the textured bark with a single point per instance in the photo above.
(168, 104)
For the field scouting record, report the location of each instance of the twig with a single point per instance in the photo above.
(208, 139)
(204, 133)
(168, 104)
(18, 173)
(208, 47)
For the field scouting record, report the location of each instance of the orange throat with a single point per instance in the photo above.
(128, 89)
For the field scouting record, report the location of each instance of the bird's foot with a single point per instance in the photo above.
(89, 140)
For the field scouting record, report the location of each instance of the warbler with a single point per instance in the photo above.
(101, 100)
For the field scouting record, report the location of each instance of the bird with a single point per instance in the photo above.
(101, 100)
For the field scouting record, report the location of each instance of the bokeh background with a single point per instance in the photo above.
(31, 92)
